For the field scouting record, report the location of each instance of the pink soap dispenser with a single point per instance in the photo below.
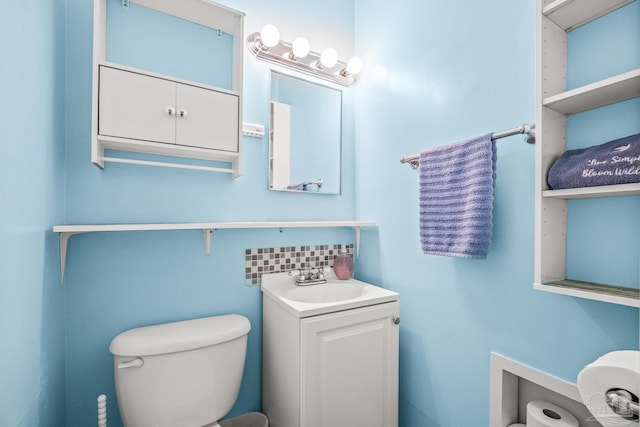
(343, 265)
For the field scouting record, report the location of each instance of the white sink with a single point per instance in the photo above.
(312, 300)
(332, 291)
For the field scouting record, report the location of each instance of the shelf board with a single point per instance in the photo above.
(570, 14)
(66, 231)
(604, 92)
(594, 192)
(88, 228)
(594, 291)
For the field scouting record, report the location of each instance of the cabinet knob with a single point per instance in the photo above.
(396, 320)
(170, 111)
(182, 112)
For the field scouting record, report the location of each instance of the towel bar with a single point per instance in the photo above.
(413, 159)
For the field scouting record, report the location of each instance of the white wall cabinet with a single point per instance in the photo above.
(144, 112)
(138, 106)
(553, 104)
(336, 369)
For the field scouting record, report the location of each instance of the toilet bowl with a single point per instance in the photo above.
(184, 373)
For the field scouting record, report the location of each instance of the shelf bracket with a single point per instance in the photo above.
(357, 230)
(207, 233)
(64, 240)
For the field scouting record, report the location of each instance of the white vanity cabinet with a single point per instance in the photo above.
(143, 107)
(327, 360)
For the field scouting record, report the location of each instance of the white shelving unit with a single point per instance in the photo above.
(553, 104)
(66, 231)
(212, 134)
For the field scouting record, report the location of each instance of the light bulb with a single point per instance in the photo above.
(300, 47)
(354, 66)
(328, 58)
(270, 35)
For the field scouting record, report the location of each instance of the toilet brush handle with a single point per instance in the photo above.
(102, 411)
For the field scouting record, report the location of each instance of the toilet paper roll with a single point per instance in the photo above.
(545, 414)
(618, 370)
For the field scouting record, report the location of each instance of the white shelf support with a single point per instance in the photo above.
(208, 234)
(64, 241)
(357, 230)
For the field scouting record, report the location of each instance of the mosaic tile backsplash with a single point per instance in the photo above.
(278, 260)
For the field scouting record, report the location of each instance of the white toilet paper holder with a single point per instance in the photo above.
(623, 403)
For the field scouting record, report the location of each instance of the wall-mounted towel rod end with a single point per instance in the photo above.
(529, 130)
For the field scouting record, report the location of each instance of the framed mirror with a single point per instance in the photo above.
(305, 143)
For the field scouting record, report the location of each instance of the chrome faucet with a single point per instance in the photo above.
(313, 276)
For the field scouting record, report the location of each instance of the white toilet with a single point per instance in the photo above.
(184, 374)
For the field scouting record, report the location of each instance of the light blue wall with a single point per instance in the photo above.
(150, 40)
(437, 73)
(32, 199)
(119, 281)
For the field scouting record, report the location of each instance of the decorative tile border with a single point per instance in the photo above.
(278, 260)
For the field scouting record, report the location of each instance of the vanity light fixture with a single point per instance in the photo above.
(266, 45)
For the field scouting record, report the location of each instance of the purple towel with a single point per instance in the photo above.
(614, 162)
(456, 198)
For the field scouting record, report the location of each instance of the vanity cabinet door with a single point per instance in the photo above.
(206, 118)
(136, 106)
(349, 368)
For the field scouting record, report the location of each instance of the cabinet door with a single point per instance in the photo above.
(136, 106)
(349, 372)
(207, 118)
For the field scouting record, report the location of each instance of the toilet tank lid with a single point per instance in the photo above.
(179, 336)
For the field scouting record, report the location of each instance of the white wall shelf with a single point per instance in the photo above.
(570, 14)
(66, 231)
(594, 192)
(123, 103)
(512, 383)
(604, 92)
(553, 105)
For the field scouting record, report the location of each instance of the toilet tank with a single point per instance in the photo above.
(180, 374)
